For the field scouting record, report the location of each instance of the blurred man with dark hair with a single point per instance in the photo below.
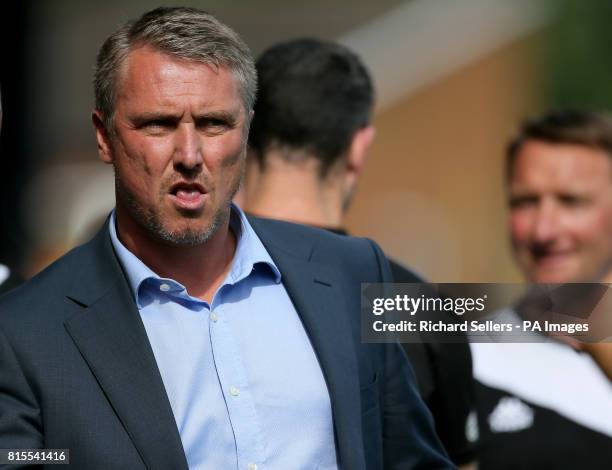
(542, 404)
(8, 278)
(309, 140)
(313, 119)
(185, 335)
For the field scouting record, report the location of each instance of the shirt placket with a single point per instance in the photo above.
(238, 398)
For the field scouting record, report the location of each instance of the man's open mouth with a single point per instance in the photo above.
(188, 195)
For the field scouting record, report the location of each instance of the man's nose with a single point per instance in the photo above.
(547, 222)
(188, 149)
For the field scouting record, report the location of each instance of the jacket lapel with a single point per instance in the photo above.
(110, 336)
(316, 292)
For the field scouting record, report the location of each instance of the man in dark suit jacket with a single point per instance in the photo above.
(78, 371)
(86, 359)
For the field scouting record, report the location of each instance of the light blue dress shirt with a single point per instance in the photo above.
(245, 386)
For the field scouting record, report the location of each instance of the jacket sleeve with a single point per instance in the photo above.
(409, 438)
(20, 421)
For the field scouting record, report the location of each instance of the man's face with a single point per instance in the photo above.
(179, 145)
(561, 212)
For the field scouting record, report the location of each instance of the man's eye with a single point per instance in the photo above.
(572, 200)
(522, 201)
(214, 125)
(159, 124)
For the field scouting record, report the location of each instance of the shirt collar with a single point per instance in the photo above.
(250, 255)
(250, 251)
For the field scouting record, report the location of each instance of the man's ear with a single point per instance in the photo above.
(358, 151)
(354, 162)
(104, 145)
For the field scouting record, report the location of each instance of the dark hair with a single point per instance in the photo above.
(587, 128)
(186, 33)
(313, 96)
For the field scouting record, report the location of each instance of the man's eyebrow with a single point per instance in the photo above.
(230, 117)
(221, 115)
(145, 116)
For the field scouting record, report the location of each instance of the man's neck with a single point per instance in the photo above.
(295, 193)
(201, 268)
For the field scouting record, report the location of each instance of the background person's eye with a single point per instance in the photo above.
(517, 202)
(573, 200)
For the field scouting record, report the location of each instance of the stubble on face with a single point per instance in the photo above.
(150, 219)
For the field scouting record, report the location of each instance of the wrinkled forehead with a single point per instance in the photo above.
(146, 65)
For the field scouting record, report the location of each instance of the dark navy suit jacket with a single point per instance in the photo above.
(77, 370)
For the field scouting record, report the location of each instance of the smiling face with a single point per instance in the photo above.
(561, 212)
(178, 146)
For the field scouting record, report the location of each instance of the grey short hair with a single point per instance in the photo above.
(186, 33)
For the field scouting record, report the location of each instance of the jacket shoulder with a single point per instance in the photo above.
(291, 233)
(403, 274)
(40, 292)
(354, 254)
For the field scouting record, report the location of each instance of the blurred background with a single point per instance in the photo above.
(454, 79)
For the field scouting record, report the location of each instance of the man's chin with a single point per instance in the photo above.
(557, 275)
(184, 237)
(185, 231)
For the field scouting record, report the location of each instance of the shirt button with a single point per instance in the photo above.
(252, 466)
(234, 391)
(164, 287)
(214, 317)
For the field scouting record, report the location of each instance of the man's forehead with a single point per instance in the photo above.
(152, 73)
(547, 161)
